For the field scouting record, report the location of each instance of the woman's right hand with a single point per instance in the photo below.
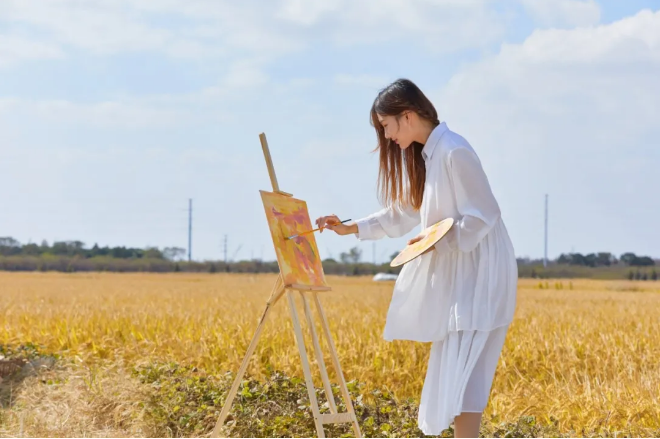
(333, 223)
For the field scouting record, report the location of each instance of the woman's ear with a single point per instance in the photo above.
(409, 117)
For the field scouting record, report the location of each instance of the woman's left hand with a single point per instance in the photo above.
(419, 238)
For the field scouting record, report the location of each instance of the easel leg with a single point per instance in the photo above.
(337, 366)
(275, 293)
(300, 341)
(319, 356)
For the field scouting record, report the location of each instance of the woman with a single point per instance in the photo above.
(461, 294)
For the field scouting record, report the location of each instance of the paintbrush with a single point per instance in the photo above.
(315, 230)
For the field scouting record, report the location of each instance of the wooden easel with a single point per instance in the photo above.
(279, 289)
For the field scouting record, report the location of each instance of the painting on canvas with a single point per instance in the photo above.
(298, 258)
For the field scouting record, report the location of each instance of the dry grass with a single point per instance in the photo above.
(588, 356)
(76, 402)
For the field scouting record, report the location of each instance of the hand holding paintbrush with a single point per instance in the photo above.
(333, 223)
(327, 225)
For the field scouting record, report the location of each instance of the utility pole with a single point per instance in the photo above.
(225, 249)
(373, 253)
(189, 229)
(545, 253)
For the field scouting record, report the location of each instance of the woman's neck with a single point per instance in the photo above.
(424, 132)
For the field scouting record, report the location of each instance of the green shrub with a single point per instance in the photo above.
(185, 402)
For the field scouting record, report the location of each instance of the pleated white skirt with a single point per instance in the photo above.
(459, 377)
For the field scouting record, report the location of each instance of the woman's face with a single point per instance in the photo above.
(398, 129)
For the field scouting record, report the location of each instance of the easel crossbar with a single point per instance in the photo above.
(337, 418)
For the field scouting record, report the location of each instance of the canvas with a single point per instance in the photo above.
(298, 258)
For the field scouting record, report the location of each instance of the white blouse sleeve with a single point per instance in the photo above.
(393, 222)
(474, 200)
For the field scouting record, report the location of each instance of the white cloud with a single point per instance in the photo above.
(8, 104)
(242, 81)
(14, 49)
(220, 30)
(628, 40)
(94, 25)
(563, 13)
(245, 73)
(190, 28)
(308, 12)
(441, 26)
(576, 112)
(367, 81)
(115, 114)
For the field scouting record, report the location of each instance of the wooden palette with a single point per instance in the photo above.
(434, 234)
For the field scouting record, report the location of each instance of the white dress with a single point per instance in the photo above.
(461, 296)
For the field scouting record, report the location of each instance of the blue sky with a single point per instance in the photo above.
(114, 113)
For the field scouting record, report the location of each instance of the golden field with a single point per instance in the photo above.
(586, 353)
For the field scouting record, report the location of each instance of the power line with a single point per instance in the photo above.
(545, 252)
(233, 258)
(189, 229)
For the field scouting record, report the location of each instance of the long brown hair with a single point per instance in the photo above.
(393, 100)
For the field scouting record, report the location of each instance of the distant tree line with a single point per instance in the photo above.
(605, 260)
(601, 259)
(11, 247)
(74, 256)
(602, 265)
